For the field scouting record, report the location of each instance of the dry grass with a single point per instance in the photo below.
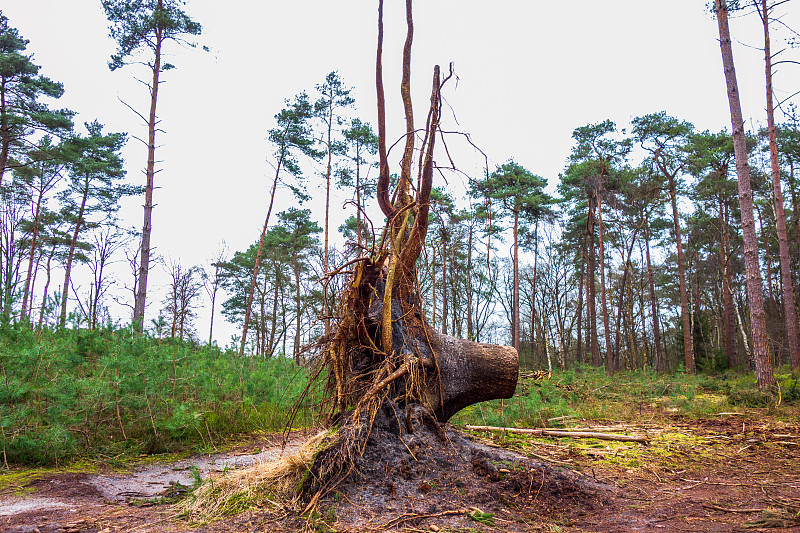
(271, 483)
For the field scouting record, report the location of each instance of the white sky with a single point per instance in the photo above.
(529, 73)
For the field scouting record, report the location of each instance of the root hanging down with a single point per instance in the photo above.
(389, 376)
(382, 360)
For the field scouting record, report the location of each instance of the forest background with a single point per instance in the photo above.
(535, 85)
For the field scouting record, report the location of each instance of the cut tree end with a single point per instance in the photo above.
(470, 372)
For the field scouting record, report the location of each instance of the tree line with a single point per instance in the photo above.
(641, 253)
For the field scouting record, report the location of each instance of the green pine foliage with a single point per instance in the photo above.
(111, 391)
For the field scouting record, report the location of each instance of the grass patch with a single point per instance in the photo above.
(587, 393)
(112, 394)
(274, 482)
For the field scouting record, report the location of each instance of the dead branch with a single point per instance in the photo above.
(564, 433)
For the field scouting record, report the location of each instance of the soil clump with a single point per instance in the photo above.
(415, 471)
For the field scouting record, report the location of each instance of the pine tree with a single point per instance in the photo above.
(590, 177)
(300, 242)
(334, 97)
(40, 172)
(663, 136)
(360, 142)
(22, 115)
(790, 315)
(136, 26)
(520, 195)
(292, 136)
(710, 160)
(755, 297)
(96, 167)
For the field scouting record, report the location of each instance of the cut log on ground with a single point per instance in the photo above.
(470, 372)
(564, 433)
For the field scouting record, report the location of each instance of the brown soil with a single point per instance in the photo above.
(715, 475)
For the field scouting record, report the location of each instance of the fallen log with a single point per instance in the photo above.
(565, 433)
(469, 372)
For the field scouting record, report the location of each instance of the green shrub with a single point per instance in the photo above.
(73, 391)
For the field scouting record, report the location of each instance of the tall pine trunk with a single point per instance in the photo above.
(790, 316)
(727, 277)
(590, 283)
(34, 242)
(144, 261)
(621, 300)
(253, 281)
(515, 297)
(297, 311)
(758, 325)
(5, 132)
(579, 311)
(470, 334)
(325, 267)
(603, 301)
(444, 279)
(534, 317)
(660, 362)
(688, 351)
(71, 255)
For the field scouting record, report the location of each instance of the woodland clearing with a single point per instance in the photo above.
(730, 471)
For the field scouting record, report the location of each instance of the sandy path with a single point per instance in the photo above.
(51, 502)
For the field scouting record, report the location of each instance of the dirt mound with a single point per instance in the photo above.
(414, 471)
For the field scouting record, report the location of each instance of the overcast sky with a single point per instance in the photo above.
(529, 72)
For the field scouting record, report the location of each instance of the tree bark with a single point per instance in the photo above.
(603, 302)
(579, 311)
(515, 297)
(144, 261)
(325, 267)
(590, 283)
(688, 351)
(444, 279)
(534, 317)
(659, 355)
(727, 300)
(790, 316)
(470, 372)
(297, 311)
(470, 333)
(71, 255)
(764, 372)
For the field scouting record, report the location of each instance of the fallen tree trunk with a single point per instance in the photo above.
(445, 373)
(470, 372)
(386, 368)
(565, 433)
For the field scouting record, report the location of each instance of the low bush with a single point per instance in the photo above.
(112, 391)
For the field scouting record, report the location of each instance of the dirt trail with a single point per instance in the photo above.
(709, 475)
(71, 501)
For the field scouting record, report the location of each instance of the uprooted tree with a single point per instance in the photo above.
(381, 355)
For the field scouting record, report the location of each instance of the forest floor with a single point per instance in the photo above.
(724, 472)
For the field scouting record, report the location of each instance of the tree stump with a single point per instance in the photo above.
(470, 372)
